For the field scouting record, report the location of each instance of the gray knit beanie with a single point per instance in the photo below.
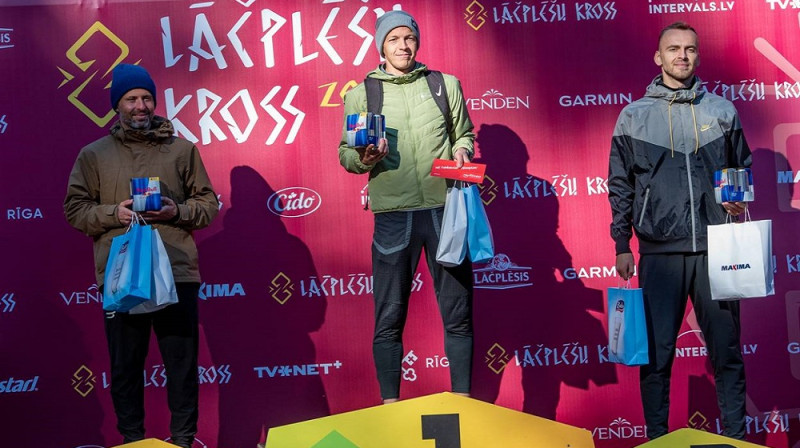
(390, 21)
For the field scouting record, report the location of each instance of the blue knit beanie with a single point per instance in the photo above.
(126, 77)
(390, 21)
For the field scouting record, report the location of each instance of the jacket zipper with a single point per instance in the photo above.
(644, 206)
(691, 203)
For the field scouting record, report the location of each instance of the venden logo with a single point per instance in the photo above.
(495, 100)
(294, 202)
(621, 429)
(92, 295)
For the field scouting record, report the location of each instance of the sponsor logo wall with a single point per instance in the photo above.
(286, 303)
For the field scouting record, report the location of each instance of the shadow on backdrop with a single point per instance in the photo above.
(547, 323)
(264, 334)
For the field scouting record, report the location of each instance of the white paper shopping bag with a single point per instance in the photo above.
(740, 260)
(164, 292)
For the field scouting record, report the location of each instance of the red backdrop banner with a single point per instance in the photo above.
(286, 307)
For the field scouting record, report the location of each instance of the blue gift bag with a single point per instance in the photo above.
(479, 234)
(627, 327)
(129, 270)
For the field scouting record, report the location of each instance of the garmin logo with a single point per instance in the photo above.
(595, 99)
(294, 202)
(735, 267)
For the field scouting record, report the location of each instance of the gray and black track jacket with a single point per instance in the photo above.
(665, 149)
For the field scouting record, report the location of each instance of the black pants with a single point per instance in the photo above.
(666, 280)
(176, 329)
(398, 242)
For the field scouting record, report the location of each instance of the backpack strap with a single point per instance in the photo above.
(436, 85)
(439, 94)
(374, 95)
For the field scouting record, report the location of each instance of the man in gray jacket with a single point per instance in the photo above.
(665, 150)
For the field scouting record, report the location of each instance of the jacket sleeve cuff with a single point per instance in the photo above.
(178, 216)
(362, 166)
(623, 247)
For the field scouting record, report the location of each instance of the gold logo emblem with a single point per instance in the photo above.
(488, 190)
(497, 358)
(475, 15)
(281, 288)
(90, 71)
(699, 421)
(83, 381)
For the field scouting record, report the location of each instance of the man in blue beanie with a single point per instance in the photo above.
(428, 110)
(98, 203)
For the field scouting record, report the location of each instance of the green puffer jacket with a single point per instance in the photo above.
(417, 134)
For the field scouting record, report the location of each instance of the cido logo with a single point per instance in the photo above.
(294, 202)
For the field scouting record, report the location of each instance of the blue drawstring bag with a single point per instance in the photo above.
(129, 270)
(627, 327)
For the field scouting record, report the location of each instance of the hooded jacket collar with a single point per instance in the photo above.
(160, 129)
(657, 89)
(407, 78)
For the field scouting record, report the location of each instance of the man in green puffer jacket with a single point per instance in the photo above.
(408, 202)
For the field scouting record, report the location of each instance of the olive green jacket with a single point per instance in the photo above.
(417, 134)
(100, 179)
